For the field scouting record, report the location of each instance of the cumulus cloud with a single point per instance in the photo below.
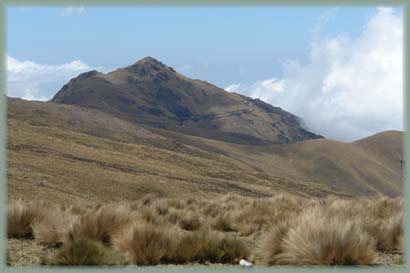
(233, 87)
(73, 11)
(350, 87)
(33, 81)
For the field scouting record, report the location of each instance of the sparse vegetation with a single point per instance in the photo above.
(85, 252)
(20, 218)
(315, 238)
(280, 230)
(194, 177)
(145, 243)
(223, 223)
(53, 227)
(190, 222)
(101, 224)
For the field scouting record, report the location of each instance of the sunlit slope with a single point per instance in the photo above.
(67, 153)
(366, 167)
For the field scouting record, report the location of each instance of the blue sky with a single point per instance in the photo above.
(291, 57)
(221, 45)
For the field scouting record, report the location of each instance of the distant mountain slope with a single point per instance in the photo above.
(86, 154)
(146, 128)
(66, 153)
(366, 167)
(151, 93)
(386, 146)
(361, 167)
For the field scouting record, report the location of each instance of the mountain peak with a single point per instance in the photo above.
(152, 93)
(148, 64)
(149, 59)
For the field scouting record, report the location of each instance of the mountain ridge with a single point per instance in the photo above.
(70, 147)
(152, 93)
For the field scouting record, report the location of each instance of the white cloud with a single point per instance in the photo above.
(351, 87)
(73, 11)
(33, 81)
(33, 95)
(233, 87)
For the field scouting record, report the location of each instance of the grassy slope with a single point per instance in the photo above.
(66, 153)
(369, 166)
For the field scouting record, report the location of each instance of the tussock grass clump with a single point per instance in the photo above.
(384, 207)
(173, 216)
(381, 218)
(224, 249)
(389, 233)
(260, 214)
(207, 247)
(51, 230)
(280, 230)
(176, 203)
(388, 230)
(223, 223)
(21, 216)
(85, 252)
(316, 238)
(270, 246)
(212, 210)
(102, 224)
(162, 208)
(190, 222)
(148, 214)
(185, 248)
(145, 243)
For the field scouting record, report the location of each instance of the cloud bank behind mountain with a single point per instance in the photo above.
(350, 87)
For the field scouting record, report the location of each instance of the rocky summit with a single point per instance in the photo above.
(151, 93)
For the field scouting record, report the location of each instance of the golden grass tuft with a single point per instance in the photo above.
(387, 232)
(21, 216)
(51, 230)
(223, 223)
(85, 252)
(102, 224)
(224, 249)
(145, 243)
(317, 238)
(206, 247)
(190, 222)
(280, 230)
(271, 244)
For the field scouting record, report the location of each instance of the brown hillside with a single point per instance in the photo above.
(351, 167)
(65, 153)
(151, 93)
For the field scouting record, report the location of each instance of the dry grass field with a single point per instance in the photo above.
(280, 230)
(74, 154)
(119, 193)
(64, 153)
